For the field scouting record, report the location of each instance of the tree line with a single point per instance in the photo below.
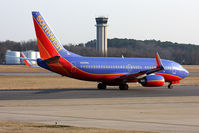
(182, 53)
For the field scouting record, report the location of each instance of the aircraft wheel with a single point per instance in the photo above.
(124, 87)
(170, 86)
(101, 86)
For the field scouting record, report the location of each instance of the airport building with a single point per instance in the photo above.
(13, 57)
(101, 42)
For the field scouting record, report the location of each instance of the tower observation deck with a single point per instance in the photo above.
(101, 35)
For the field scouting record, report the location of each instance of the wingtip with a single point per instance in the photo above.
(157, 54)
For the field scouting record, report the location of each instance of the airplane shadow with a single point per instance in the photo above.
(76, 93)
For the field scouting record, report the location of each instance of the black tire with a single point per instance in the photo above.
(170, 86)
(124, 87)
(101, 86)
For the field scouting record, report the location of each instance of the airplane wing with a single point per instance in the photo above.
(141, 74)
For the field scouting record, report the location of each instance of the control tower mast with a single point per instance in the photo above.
(101, 35)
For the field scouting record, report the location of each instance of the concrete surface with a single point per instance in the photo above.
(146, 109)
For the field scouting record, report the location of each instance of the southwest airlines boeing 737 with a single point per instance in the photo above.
(107, 71)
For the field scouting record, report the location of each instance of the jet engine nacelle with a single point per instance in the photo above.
(152, 81)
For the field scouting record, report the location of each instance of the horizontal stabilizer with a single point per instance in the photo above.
(53, 60)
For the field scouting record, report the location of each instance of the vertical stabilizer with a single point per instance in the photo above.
(27, 62)
(48, 44)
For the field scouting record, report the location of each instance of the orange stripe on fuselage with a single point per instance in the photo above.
(58, 68)
(169, 77)
(80, 74)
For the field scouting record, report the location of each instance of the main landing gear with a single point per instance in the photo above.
(170, 86)
(124, 87)
(101, 86)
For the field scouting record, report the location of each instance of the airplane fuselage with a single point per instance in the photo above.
(102, 69)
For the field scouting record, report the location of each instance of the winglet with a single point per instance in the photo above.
(27, 62)
(158, 61)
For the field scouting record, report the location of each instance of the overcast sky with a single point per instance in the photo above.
(73, 21)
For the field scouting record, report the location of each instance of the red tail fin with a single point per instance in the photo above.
(48, 44)
(27, 63)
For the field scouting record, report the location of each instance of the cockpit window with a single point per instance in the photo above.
(178, 67)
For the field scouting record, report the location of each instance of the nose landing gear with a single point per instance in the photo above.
(170, 86)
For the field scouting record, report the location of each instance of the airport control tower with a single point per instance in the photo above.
(102, 35)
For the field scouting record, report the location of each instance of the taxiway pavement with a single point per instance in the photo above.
(145, 109)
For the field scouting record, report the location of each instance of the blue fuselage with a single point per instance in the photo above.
(101, 65)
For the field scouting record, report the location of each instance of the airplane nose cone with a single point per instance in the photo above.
(185, 73)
